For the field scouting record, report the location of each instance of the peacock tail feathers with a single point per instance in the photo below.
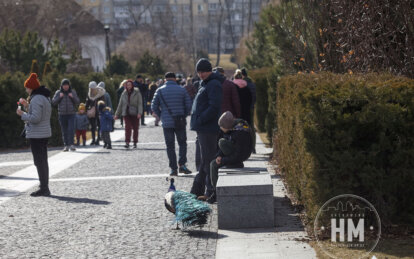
(188, 210)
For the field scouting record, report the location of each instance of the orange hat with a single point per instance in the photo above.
(32, 82)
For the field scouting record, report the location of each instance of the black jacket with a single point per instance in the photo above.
(143, 88)
(241, 137)
(207, 105)
(245, 97)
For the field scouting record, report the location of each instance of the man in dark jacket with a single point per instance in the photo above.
(139, 83)
(205, 114)
(67, 101)
(234, 148)
(230, 101)
(172, 100)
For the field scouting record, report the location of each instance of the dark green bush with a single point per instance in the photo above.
(354, 134)
(260, 79)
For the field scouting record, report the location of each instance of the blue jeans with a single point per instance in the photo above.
(169, 135)
(208, 149)
(67, 124)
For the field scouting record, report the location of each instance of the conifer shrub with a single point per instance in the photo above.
(260, 79)
(339, 134)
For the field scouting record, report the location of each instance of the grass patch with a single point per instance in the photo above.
(224, 61)
(388, 248)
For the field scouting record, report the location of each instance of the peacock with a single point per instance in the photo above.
(187, 209)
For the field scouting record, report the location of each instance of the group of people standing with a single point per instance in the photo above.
(220, 109)
(223, 139)
(76, 117)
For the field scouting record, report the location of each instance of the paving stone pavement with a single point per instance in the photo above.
(106, 217)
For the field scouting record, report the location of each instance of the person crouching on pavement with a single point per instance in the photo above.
(105, 117)
(234, 148)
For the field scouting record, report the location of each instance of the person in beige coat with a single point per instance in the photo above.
(130, 107)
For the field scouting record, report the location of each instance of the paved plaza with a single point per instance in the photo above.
(110, 204)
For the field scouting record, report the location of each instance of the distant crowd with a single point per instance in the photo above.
(221, 111)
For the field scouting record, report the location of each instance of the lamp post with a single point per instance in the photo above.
(108, 51)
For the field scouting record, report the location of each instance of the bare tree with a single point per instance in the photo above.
(249, 24)
(233, 40)
(219, 24)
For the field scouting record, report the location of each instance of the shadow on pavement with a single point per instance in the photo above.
(79, 200)
(5, 177)
(205, 234)
(8, 193)
(153, 149)
(93, 152)
(287, 216)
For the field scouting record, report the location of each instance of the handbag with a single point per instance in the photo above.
(179, 121)
(91, 113)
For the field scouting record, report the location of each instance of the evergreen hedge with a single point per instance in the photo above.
(354, 134)
(11, 89)
(260, 79)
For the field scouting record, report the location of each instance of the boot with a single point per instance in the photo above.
(93, 142)
(77, 142)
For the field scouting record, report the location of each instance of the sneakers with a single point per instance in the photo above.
(184, 170)
(126, 145)
(40, 192)
(135, 145)
(66, 149)
(105, 145)
(202, 198)
(72, 148)
(109, 147)
(173, 172)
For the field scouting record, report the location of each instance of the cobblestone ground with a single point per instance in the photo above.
(107, 218)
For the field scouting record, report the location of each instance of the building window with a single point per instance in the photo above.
(94, 10)
(92, 1)
(237, 17)
(106, 9)
(212, 6)
(200, 8)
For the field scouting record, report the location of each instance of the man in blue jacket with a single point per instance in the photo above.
(205, 114)
(172, 100)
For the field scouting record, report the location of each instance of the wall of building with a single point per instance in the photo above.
(234, 18)
(93, 47)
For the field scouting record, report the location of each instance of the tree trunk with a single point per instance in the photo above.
(219, 34)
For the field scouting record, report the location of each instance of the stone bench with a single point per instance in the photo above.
(244, 199)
